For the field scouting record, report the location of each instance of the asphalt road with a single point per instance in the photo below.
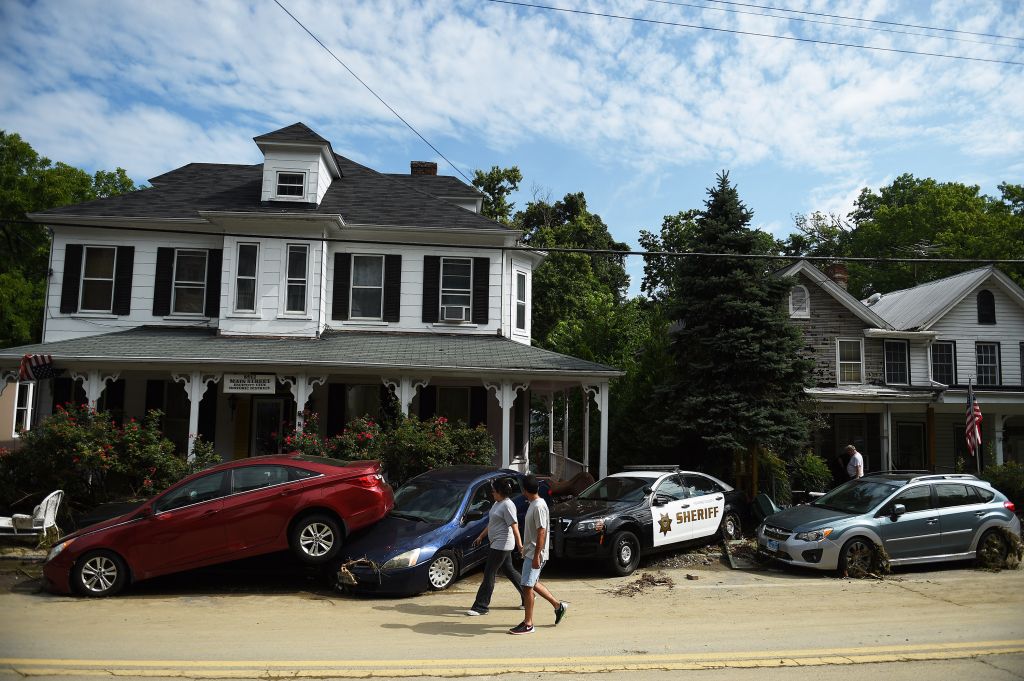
(263, 619)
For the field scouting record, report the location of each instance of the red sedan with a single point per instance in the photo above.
(234, 510)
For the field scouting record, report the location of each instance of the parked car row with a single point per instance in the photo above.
(343, 514)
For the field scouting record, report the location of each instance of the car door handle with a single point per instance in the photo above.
(212, 511)
(685, 506)
(286, 492)
(932, 521)
(979, 513)
(718, 498)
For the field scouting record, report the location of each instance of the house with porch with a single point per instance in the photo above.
(234, 297)
(892, 371)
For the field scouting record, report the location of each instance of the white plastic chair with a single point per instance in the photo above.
(43, 517)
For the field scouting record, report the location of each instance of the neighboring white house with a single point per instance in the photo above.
(233, 296)
(892, 372)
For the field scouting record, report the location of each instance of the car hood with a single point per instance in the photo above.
(102, 525)
(585, 509)
(805, 517)
(392, 536)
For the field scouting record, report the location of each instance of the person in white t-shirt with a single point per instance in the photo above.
(503, 531)
(855, 466)
(535, 554)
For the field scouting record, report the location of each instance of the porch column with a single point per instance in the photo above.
(589, 391)
(602, 404)
(565, 426)
(505, 393)
(886, 454)
(549, 402)
(195, 385)
(1000, 421)
(930, 426)
(404, 389)
(301, 387)
(93, 383)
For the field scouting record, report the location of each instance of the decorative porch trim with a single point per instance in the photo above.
(94, 383)
(195, 385)
(301, 387)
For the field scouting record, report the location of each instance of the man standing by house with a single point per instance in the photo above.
(535, 554)
(855, 466)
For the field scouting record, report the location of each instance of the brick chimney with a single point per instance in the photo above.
(838, 273)
(422, 168)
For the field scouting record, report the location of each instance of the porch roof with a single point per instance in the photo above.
(342, 350)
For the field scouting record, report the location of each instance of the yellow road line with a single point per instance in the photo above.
(229, 669)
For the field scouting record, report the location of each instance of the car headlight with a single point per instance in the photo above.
(595, 525)
(57, 548)
(403, 560)
(814, 535)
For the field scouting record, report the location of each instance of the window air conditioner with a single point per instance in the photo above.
(454, 313)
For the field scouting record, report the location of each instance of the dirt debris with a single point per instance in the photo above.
(645, 582)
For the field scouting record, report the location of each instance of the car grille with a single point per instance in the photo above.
(776, 533)
(564, 523)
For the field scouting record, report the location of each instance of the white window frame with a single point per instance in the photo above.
(81, 284)
(524, 301)
(885, 360)
(189, 284)
(931, 360)
(806, 312)
(290, 197)
(255, 278)
(288, 280)
(468, 308)
(352, 285)
(27, 410)
(839, 363)
(977, 365)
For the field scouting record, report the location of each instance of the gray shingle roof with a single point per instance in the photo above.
(916, 307)
(296, 132)
(438, 185)
(458, 353)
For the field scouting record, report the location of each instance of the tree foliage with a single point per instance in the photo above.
(496, 184)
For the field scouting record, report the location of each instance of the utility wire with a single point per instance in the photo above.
(379, 98)
(753, 33)
(831, 23)
(534, 249)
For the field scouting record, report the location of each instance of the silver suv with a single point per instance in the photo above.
(916, 518)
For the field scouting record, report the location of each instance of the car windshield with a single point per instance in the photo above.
(856, 496)
(428, 500)
(616, 489)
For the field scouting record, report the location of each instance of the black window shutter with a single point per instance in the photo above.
(431, 288)
(392, 288)
(213, 266)
(123, 280)
(72, 279)
(481, 297)
(477, 406)
(336, 398)
(428, 402)
(342, 279)
(162, 283)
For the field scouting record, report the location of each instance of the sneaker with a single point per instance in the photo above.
(521, 628)
(560, 611)
(522, 606)
(474, 613)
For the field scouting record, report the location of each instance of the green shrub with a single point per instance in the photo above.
(775, 477)
(1008, 479)
(809, 472)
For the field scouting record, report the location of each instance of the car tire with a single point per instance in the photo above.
(731, 528)
(442, 570)
(858, 556)
(99, 574)
(992, 550)
(316, 539)
(625, 555)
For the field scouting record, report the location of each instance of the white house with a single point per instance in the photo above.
(234, 296)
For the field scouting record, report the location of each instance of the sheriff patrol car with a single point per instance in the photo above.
(636, 512)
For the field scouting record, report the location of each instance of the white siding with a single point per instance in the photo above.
(308, 161)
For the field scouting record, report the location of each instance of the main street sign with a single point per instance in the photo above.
(263, 384)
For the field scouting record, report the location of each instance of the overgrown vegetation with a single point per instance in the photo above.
(809, 472)
(1008, 478)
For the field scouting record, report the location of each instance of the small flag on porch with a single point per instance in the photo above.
(37, 367)
(973, 430)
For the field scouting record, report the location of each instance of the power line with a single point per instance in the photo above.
(379, 98)
(829, 23)
(753, 33)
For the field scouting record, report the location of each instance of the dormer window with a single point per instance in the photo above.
(986, 307)
(291, 185)
(799, 302)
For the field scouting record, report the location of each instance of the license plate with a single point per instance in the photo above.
(773, 544)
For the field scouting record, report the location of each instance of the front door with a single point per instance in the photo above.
(267, 425)
(707, 503)
(671, 513)
(480, 502)
(916, 533)
(909, 454)
(960, 514)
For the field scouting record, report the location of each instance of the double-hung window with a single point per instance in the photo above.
(520, 301)
(367, 287)
(297, 265)
(245, 277)
(943, 362)
(23, 408)
(456, 289)
(291, 185)
(987, 357)
(851, 360)
(799, 302)
(189, 281)
(897, 366)
(97, 290)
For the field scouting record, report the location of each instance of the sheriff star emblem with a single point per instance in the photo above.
(665, 524)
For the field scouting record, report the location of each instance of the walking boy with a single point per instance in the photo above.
(535, 554)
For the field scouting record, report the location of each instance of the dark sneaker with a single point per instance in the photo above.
(521, 628)
(560, 611)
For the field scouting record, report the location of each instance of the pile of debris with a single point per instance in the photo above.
(700, 557)
(645, 582)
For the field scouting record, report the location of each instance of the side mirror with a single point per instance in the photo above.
(898, 510)
(146, 512)
(474, 514)
(647, 490)
(659, 500)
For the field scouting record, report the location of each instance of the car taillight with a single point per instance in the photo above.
(1008, 505)
(368, 481)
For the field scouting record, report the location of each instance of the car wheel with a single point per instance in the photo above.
(316, 539)
(625, 553)
(442, 570)
(857, 557)
(99, 573)
(731, 528)
(992, 549)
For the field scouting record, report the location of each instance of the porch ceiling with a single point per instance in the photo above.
(350, 351)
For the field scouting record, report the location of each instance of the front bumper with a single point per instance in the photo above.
(782, 545)
(572, 546)
(57, 576)
(400, 582)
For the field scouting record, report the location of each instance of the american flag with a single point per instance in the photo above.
(973, 429)
(37, 367)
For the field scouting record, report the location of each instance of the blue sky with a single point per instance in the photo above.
(639, 117)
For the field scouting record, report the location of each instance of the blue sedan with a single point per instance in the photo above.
(426, 542)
